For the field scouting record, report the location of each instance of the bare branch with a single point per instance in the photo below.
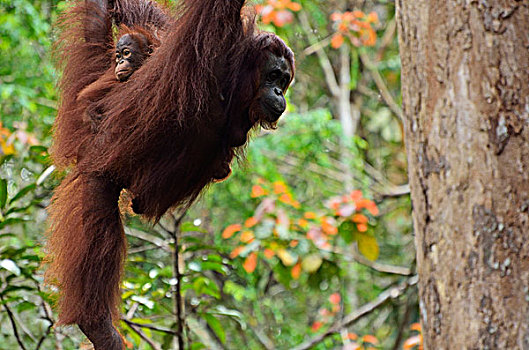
(149, 326)
(379, 267)
(160, 243)
(13, 323)
(381, 85)
(390, 293)
(142, 335)
(325, 63)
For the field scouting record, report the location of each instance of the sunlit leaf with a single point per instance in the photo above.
(370, 339)
(412, 342)
(296, 271)
(335, 298)
(10, 266)
(286, 257)
(368, 246)
(311, 263)
(337, 40)
(216, 326)
(250, 222)
(250, 263)
(247, 237)
(230, 230)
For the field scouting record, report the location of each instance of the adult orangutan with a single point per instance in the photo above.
(167, 132)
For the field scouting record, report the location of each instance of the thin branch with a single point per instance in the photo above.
(317, 46)
(178, 291)
(149, 326)
(142, 335)
(13, 324)
(381, 85)
(265, 341)
(391, 293)
(379, 267)
(160, 243)
(325, 63)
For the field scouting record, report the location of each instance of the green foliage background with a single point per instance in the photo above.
(225, 305)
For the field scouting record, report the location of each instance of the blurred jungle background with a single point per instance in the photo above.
(308, 244)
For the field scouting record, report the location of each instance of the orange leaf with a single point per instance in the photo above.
(310, 215)
(316, 325)
(230, 230)
(279, 187)
(361, 227)
(416, 327)
(327, 227)
(336, 16)
(352, 336)
(372, 17)
(250, 222)
(294, 6)
(303, 223)
(257, 191)
(370, 339)
(296, 271)
(247, 237)
(360, 219)
(358, 14)
(269, 253)
(412, 342)
(348, 16)
(337, 40)
(356, 195)
(250, 263)
(235, 252)
(335, 298)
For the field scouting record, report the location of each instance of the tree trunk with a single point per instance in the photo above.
(465, 87)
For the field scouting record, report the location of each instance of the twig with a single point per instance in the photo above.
(379, 267)
(142, 335)
(402, 324)
(381, 85)
(263, 339)
(149, 326)
(13, 324)
(364, 310)
(317, 46)
(325, 63)
(47, 317)
(160, 243)
(178, 291)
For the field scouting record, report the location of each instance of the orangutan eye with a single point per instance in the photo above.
(274, 75)
(126, 53)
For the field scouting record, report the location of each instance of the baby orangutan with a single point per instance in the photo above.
(132, 49)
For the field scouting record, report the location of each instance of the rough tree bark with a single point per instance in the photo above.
(465, 86)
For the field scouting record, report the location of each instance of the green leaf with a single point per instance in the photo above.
(3, 193)
(23, 192)
(311, 263)
(368, 246)
(10, 266)
(216, 326)
(346, 231)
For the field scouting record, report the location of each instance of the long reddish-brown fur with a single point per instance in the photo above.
(164, 133)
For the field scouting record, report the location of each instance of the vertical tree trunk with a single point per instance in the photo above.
(465, 86)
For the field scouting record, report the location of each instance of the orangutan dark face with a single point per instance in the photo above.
(276, 75)
(131, 51)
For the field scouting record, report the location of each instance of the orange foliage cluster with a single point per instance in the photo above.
(355, 25)
(280, 234)
(7, 138)
(277, 12)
